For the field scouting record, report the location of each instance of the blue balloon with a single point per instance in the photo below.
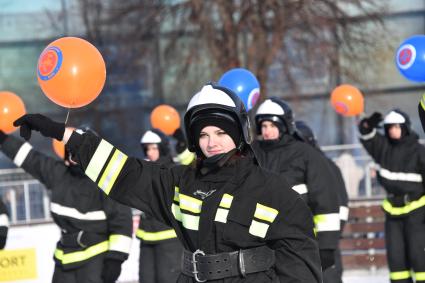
(244, 84)
(410, 58)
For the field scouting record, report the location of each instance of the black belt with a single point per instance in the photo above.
(81, 239)
(218, 266)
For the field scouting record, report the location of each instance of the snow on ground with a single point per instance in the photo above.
(366, 276)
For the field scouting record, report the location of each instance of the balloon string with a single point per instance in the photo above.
(67, 116)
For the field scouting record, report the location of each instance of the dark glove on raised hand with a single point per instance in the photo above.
(368, 124)
(327, 257)
(46, 126)
(181, 144)
(3, 136)
(111, 270)
(2, 242)
(421, 112)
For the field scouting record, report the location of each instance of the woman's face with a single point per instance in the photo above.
(395, 131)
(213, 140)
(152, 152)
(269, 131)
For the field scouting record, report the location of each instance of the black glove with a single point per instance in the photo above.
(368, 124)
(421, 112)
(43, 124)
(2, 242)
(3, 136)
(327, 257)
(181, 144)
(111, 270)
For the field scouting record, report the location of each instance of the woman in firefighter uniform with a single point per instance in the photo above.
(304, 133)
(401, 161)
(4, 224)
(306, 170)
(237, 222)
(95, 230)
(160, 250)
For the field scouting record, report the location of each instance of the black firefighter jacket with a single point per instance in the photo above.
(308, 173)
(401, 168)
(4, 224)
(236, 207)
(76, 205)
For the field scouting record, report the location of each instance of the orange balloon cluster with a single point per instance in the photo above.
(165, 118)
(71, 72)
(347, 100)
(11, 108)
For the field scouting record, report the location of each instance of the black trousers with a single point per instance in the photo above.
(160, 263)
(333, 274)
(405, 243)
(90, 272)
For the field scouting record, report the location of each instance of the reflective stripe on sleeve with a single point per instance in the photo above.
(112, 171)
(226, 201)
(423, 102)
(265, 213)
(419, 276)
(156, 236)
(120, 243)
(400, 275)
(221, 215)
(300, 189)
(388, 207)
(400, 176)
(258, 229)
(81, 255)
(343, 213)
(22, 154)
(327, 222)
(73, 213)
(368, 136)
(98, 160)
(4, 220)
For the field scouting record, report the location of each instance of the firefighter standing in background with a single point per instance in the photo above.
(4, 223)
(160, 250)
(305, 133)
(401, 161)
(306, 170)
(237, 221)
(95, 231)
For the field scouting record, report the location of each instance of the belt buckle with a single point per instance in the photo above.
(195, 269)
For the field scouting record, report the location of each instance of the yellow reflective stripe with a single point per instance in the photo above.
(190, 222)
(258, 229)
(156, 236)
(81, 255)
(327, 222)
(175, 209)
(423, 102)
(112, 171)
(420, 276)
(189, 203)
(98, 160)
(120, 243)
(226, 201)
(186, 157)
(265, 213)
(221, 215)
(388, 207)
(176, 193)
(400, 275)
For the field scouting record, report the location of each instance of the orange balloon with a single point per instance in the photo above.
(58, 148)
(347, 100)
(165, 118)
(71, 72)
(11, 108)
